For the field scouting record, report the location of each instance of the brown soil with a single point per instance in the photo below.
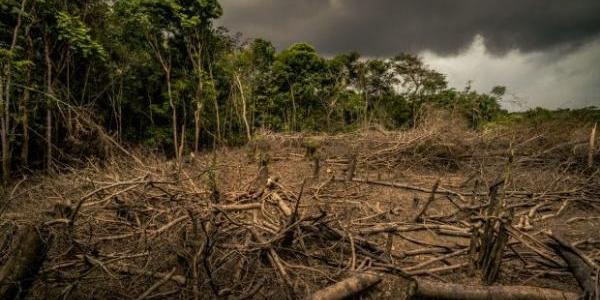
(142, 218)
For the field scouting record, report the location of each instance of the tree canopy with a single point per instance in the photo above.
(160, 74)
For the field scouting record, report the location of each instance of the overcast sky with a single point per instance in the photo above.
(546, 52)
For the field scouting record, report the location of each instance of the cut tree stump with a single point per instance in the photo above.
(491, 243)
(26, 255)
(421, 289)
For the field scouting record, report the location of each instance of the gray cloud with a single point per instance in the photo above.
(386, 27)
(544, 51)
(551, 79)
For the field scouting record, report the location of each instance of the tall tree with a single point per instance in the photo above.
(9, 62)
(420, 82)
(298, 75)
(195, 21)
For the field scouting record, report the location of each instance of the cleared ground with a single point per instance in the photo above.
(257, 222)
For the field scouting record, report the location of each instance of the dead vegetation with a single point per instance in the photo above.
(422, 212)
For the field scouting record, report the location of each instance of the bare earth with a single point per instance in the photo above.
(227, 229)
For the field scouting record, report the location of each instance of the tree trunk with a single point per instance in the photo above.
(197, 128)
(173, 114)
(23, 106)
(4, 134)
(366, 112)
(50, 94)
(25, 123)
(421, 289)
(239, 82)
(216, 103)
(218, 119)
(328, 121)
(293, 108)
(196, 59)
(180, 151)
(6, 109)
(3, 131)
(330, 108)
(197, 113)
(48, 138)
(67, 89)
(120, 110)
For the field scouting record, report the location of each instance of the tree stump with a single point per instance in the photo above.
(26, 255)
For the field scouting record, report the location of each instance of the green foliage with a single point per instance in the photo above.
(77, 35)
(198, 13)
(416, 77)
(118, 59)
(479, 108)
(539, 115)
(262, 54)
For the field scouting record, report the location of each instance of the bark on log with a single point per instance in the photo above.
(27, 254)
(581, 266)
(421, 289)
(346, 288)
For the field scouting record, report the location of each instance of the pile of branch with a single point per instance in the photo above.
(447, 147)
(153, 230)
(153, 237)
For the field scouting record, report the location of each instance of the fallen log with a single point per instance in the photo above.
(583, 268)
(346, 288)
(27, 253)
(421, 289)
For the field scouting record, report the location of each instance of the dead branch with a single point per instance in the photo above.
(421, 289)
(582, 267)
(157, 285)
(136, 271)
(416, 218)
(346, 288)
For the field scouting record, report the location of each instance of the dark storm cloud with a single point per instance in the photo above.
(386, 27)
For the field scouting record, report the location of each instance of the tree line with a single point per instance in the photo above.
(159, 73)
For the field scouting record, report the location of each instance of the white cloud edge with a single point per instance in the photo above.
(546, 79)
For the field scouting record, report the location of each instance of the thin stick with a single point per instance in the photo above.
(169, 225)
(274, 258)
(295, 214)
(90, 194)
(157, 285)
(440, 269)
(426, 205)
(592, 148)
(11, 197)
(443, 257)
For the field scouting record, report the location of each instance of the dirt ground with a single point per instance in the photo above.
(137, 223)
